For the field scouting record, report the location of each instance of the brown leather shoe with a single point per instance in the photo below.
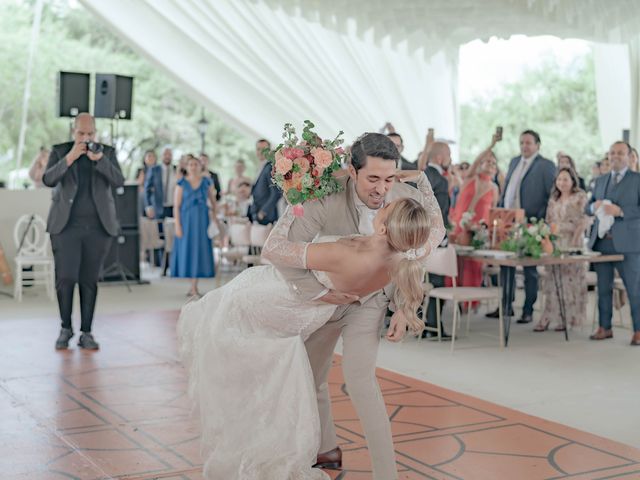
(331, 459)
(602, 334)
(635, 340)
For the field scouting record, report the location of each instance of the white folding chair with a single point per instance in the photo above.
(169, 229)
(32, 247)
(444, 261)
(258, 235)
(240, 242)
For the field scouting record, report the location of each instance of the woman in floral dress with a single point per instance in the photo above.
(566, 212)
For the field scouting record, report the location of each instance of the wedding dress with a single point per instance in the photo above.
(249, 374)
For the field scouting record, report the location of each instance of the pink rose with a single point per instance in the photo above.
(283, 164)
(339, 150)
(292, 153)
(323, 158)
(303, 163)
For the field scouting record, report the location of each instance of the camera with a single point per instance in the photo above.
(94, 147)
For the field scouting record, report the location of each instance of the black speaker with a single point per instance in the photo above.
(126, 198)
(113, 96)
(626, 135)
(123, 258)
(73, 93)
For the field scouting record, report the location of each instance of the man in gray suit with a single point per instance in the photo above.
(528, 185)
(621, 188)
(82, 221)
(371, 184)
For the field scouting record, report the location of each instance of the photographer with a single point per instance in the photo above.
(82, 221)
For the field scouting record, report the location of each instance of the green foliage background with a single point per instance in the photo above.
(558, 102)
(71, 39)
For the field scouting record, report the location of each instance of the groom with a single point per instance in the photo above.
(372, 182)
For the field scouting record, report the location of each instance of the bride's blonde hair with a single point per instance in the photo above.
(408, 231)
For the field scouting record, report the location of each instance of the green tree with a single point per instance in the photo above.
(71, 39)
(557, 102)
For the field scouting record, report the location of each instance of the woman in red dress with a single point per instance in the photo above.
(478, 195)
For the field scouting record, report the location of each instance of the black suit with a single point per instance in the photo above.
(440, 186)
(216, 184)
(82, 222)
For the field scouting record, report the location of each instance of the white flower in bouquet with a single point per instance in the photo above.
(532, 229)
(466, 219)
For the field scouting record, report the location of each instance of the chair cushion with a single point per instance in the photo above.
(466, 293)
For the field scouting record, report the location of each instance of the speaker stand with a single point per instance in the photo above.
(117, 268)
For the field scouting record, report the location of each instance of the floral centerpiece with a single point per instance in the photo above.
(531, 240)
(303, 169)
(475, 234)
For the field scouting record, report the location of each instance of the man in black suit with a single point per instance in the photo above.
(438, 159)
(204, 160)
(404, 163)
(82, 222)
(264, 208)
(528, 185)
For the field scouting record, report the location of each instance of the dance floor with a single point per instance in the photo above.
(122, 413)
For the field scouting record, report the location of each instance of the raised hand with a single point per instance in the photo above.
(75, 152)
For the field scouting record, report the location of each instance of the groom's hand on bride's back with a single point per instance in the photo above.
(338, 298)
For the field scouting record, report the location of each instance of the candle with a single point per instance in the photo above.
(495, 232)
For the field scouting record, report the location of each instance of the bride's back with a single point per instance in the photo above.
(361, 267)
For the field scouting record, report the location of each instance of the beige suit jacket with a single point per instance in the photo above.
(336, 214)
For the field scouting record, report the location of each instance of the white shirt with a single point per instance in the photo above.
(365, 215)
(168, 189)
(437, 167)
(622, 173)
(512, 195)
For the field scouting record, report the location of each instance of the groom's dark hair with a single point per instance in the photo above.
(372, 145)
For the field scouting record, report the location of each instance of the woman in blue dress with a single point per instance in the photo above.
(192, 255)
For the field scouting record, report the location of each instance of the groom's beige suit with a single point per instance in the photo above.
(359, 324)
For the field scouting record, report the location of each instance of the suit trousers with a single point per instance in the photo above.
(530, 288)
(79, 252)
(360, 327)
(629, 270)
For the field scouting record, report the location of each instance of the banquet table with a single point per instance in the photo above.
(502, 259)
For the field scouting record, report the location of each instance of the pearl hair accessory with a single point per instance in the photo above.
(414, 253)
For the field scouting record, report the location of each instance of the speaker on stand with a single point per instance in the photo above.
(113, 98)
(123, 260)
(73, 95)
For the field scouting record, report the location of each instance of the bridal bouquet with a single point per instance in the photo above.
(303, 169)
(531, 240)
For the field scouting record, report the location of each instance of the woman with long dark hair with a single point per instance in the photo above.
(566, 212)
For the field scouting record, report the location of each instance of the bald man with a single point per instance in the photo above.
(82, 222)
(437, 156)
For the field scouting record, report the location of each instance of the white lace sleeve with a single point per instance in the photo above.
(429, 202)
(281, 251)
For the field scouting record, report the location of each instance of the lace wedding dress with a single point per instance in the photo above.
(250, 378)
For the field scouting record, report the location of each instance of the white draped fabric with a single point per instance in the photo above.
(350, 64)
(613, 85)
(258, 67)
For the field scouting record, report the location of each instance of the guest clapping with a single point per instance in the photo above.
(566, 213)
(192, 254)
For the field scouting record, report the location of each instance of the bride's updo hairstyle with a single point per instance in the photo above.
(407, 233)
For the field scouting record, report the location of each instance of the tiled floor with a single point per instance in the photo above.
(122, 413)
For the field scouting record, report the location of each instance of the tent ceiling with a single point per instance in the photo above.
(437, 24)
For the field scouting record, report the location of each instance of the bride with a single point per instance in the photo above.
(243, 344)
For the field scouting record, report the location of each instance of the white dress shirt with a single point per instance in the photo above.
(512, 195)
